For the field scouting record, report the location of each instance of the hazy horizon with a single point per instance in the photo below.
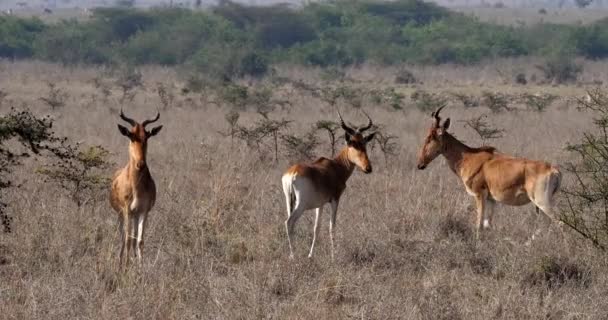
(67, 4)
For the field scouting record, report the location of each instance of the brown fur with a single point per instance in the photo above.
(490, 175)
(327, 178)
(133, 192)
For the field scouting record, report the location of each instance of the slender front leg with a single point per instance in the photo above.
(141, 227)
(332, 224)
(316, 230)
(480, 202)
(126, 244)
(133, 235)
(121, 229)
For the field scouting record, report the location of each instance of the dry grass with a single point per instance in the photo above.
(216, 246)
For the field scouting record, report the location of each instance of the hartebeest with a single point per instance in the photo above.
(133, 190)
(312, 185)
(491, 176)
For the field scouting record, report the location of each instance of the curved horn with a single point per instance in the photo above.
(125, 118)
(344, 126)
(369, 124)
(147, 122)
(435, 115)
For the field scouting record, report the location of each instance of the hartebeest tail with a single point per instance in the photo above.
(133, 190)
(290, 196)
(546, 189)
(490, 176)
(312, 185)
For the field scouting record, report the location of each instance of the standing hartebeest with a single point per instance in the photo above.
(133, 189)
(312, 185)
(491, 176)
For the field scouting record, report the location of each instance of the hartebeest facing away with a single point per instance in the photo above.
(312, 185)
(133, 189)
(490, 176)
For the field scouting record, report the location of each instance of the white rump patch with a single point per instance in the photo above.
(134, 203)
(486, 223)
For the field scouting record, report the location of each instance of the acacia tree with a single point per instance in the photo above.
(22, 135)
(586, 207)
(81, 171)
(484, 130)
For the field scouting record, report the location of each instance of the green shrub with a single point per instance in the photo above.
(17, 36)
(233, 40)
(70, 42)
(592, 41)
(587, 197)
(560, 68)
(253, 64)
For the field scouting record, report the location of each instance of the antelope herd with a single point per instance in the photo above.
(488, 175)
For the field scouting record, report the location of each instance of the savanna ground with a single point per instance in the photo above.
(216, 245)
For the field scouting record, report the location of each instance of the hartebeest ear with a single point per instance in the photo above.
(125, 132)
(154, 131)
(369, 138)
(347, 137)
(444, 127)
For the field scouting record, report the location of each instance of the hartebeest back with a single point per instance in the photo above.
(489, 175)
(133, 190)
(312, 185)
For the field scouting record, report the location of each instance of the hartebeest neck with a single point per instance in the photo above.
(454, 152)
(344, 166)
(137, 167)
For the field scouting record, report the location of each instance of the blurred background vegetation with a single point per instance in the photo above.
(233, 40)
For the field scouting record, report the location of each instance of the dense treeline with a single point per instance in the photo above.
(233, 39)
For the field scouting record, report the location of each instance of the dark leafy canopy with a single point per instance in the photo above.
(33, 135)
(232, 40)
(592, 41)
(17, 35)
(404, 12)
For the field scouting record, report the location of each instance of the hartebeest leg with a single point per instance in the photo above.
(141, 227)
(480, 202)
(290, 224)
(489, 213)
(126, 244)
(121, 229)
(133, 235)
(332, 224)
(316, 230)
(542, 197)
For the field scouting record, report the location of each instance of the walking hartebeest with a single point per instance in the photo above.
(491, 176)
(311, 186)
(133, 189)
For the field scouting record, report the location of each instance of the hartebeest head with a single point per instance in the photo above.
(356, 144)
(434, 143)
(139, 137)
